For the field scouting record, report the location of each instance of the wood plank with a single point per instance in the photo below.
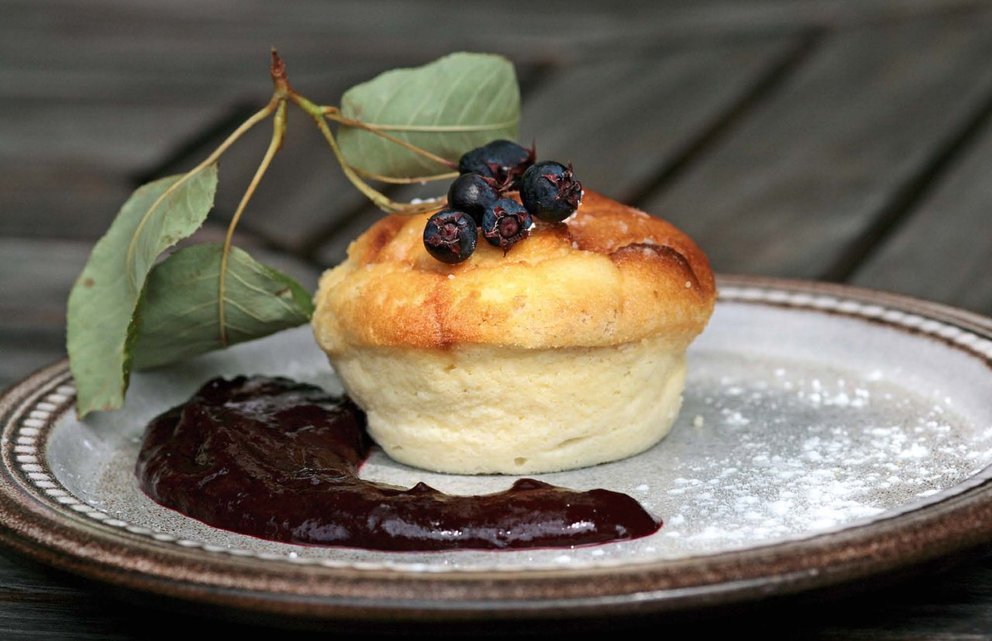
(116, 137)
(809, 171)
(35, 278)
(22, 575)
(943, 250)
(565, 28)
(25, 349)
(734, 17)
(66, 168)
(38, 603)
(621, 121)
(58, 200)
(138, 35)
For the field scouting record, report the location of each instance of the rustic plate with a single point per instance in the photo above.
(828, 433)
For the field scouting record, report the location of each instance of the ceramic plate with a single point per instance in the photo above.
(827, 434)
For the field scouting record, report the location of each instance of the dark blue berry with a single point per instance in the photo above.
(472, 194)
(450, 236)
(550, 191)
(502, 160)
(505, 223)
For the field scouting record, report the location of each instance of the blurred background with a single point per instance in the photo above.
(848, 141)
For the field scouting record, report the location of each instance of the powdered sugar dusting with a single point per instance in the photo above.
(799, 449)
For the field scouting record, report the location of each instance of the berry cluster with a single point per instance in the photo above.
(477, 199)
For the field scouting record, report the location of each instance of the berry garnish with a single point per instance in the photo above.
(502, 160)
(450, 236)
(505, 223)
(472, 194)
(550, 191)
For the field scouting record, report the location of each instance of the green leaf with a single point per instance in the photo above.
(104, 298)
(179, 315)
(452, 105)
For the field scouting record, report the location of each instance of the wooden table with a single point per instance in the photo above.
(842, 141)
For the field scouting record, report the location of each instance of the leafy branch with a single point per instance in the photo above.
(130, 307)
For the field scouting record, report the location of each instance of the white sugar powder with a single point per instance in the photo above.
(788, 453)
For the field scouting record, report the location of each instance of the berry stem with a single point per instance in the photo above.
(278, 134)
(333, 113)
(280, 80)
(378, 199)
(320, 114)
(404, 181)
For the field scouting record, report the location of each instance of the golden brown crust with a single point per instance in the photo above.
(611, 274)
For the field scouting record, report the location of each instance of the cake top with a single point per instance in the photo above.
(609, 274)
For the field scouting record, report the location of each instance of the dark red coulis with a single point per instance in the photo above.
(279, 460)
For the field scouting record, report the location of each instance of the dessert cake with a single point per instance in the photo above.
(565, 350)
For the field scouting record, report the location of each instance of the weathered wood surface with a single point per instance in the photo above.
(945, 243)
(814, 171)
(840, 139)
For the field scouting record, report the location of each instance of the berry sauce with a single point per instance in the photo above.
(279, 460)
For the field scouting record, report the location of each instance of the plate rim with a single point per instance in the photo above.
(955, 524)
